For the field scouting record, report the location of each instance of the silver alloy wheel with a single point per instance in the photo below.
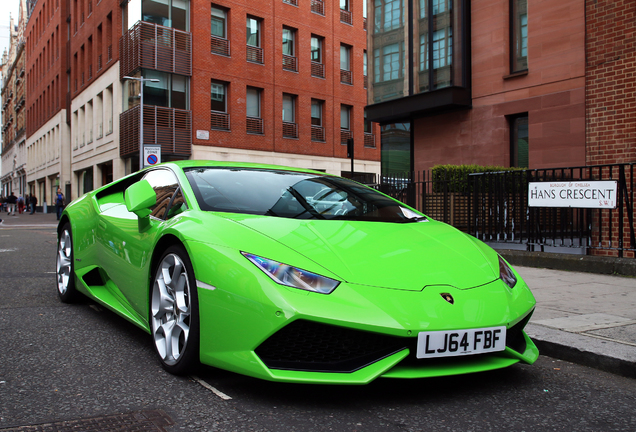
(64, 262)
(171, 309)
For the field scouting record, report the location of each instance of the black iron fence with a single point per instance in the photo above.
(494, 207)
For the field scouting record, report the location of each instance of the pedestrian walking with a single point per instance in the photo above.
(33, 200)
(2, 201)
(11, 202)
(59, 203)
(20, 204)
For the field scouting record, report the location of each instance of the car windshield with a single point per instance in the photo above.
(291, 194)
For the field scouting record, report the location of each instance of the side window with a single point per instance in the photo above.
(166, 186)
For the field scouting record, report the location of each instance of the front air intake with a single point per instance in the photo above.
(311, 346)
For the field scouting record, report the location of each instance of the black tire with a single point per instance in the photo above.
(65, 266)
(174, 312)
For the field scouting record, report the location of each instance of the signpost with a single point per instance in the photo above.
(152, 155)
(575, 194)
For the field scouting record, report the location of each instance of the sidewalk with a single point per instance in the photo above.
(26, 220)
(585, 318)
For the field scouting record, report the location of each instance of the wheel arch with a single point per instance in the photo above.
(164, 243)
(63, 221)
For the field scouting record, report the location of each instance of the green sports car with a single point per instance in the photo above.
(291, 275)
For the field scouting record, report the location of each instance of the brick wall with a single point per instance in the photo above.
(46, 62)
(610, 81)
(274, 81)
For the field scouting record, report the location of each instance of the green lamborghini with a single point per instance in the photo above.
(291, 275)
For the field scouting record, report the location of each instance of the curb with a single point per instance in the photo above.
(606, 355)
(568, 262)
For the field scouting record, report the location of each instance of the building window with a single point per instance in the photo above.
(317, 66)
(290, 127)
(345, 123)
(254, 51)
(434, 45)
(388, 63)
(518, 35)
(519, 139)
(108, 109)
(369, 138)
(365, 72)
(345, 12)
(317, 129)
(220, 118)
(220, 43)
(254, 122)
(345, 64)
(388, 15)
(318, 7)
(396, 148)
(168, 13)
(289, 49)
(169, 91)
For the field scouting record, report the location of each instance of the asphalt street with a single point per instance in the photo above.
(81, 367)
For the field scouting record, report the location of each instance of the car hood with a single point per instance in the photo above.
(406, 256)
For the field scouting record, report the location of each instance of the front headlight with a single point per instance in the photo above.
(506, 274)
(284, 274)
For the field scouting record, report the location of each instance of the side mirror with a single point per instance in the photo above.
(139, 198)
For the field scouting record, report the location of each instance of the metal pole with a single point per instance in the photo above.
(141, 125)
(141, 115)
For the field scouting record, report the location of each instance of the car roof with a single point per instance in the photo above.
(184, 164)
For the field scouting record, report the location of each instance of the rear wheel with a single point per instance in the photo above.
(174, 320)
(65, 267)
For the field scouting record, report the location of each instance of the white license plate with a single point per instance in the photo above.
(460, 342)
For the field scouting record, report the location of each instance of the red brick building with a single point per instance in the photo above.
(610, 81)
(236, 81)
(507, 82)
(48, 162)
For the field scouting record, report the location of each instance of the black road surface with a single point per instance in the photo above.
(82, 368)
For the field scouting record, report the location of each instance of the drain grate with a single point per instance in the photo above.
(139, 421)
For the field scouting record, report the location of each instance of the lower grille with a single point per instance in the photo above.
(310, 346)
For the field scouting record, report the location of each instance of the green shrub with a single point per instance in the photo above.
(455, 177)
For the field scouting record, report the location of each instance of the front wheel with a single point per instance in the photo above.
(174, 320)
(65, 273)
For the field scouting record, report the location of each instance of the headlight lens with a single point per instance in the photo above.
(284, 274)
(506, 274)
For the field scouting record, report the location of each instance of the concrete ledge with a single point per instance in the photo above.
(567, 262)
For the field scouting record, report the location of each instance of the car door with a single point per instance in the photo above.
(128, 244)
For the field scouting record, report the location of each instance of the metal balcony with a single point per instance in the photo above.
(168, 127)
(152, 46)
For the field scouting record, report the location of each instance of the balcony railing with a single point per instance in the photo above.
(318, 6)
(317, 69)
(220, 46)
(317, 133)
(290, 63)
(168, 127)
(151, 46)
(345, 134)
(254, 54)
(369, 140)
(254, 125)
(345, 76)
(346, 17)
(219, 120)
(290, 130)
